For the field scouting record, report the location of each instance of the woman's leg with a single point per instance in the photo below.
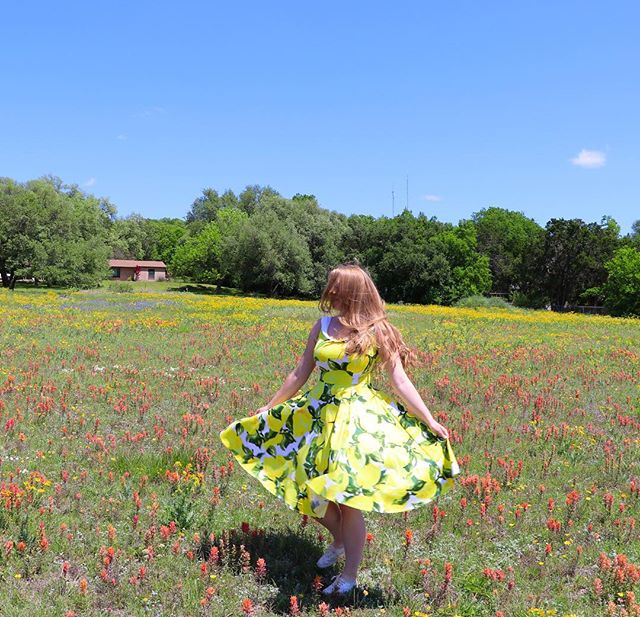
(332, 520)
(353, 533)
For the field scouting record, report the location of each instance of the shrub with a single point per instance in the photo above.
(478, 301)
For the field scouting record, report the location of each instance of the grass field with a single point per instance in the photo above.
(118, 498)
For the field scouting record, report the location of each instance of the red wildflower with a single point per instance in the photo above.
(317, 583)
(261, 568)
(408, 537)
(247, 606)
(597, 586)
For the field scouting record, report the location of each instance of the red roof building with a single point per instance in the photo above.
(137, 270)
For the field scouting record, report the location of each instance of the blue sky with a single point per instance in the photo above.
(529, 105)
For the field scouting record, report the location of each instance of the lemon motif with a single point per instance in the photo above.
(369, 475)
(427, 491)
(358, 364)
(362, 502)
(396, 457)
(337, 457)
(356, 459)
(290, 490)
(338, 378)
(302, 421)
(330, 412)
(274, 466)
(274, 424)
(321, 459)
(231, 439)
(276, 439)
(367, 443)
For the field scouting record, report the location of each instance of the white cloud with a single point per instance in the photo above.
(432, 197)
(90, 182)
(590, 159)
(150, 111)
(123, 137)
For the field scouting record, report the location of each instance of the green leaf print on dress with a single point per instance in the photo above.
(343, 440)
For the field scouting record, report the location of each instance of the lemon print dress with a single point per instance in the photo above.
(344, 441)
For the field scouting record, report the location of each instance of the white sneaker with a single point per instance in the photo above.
(339, 585)
(330, 556)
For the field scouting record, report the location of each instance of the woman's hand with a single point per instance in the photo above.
(262, 409)
(438, 429)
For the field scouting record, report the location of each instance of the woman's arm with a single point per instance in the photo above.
(406, 390)
(299, 375)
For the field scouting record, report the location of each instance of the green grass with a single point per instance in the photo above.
(102, 392)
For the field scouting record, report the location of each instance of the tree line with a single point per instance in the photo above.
(261, 241)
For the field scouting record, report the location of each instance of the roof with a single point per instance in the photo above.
(132, 263)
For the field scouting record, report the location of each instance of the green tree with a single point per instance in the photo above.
(53, 232)
(198, 257)
(164, 237)
(507, 238)
(418, 259)
(632, 238)
(230, 221)
(322, 230)
(130, 238)
(273, 257)
(252, 198)
(205, 208)
(622, 289)
(573, 258)
(470, 271)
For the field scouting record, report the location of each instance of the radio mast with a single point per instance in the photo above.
(407, 206)
(393, 201)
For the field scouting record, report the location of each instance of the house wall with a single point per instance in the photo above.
(128, 273)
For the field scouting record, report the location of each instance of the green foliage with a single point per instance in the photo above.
(199, 256)
(120, 286)
(572, 259)
(53, 232)
(506, 238)
(273, 257)
(483, 301)
(622, 289)
(230, 221)
(182, 509)
(261, 242)
(530, 299)
(206, 207)
(419, 260)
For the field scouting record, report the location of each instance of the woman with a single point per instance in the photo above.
(343, 447)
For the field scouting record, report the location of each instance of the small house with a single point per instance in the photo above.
(137, 270)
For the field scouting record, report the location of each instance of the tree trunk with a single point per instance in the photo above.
(12, 281)
(3, 273)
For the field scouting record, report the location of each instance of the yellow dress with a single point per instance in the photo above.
(344, 441)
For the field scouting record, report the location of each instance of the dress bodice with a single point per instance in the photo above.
(336, 367)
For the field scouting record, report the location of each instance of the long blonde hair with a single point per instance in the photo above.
(351, 290)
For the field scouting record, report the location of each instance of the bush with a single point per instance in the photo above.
(529, 300)
(478, 301)
(120, 286)
(622, 289)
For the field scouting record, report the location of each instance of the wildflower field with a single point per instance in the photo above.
(117, 497)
